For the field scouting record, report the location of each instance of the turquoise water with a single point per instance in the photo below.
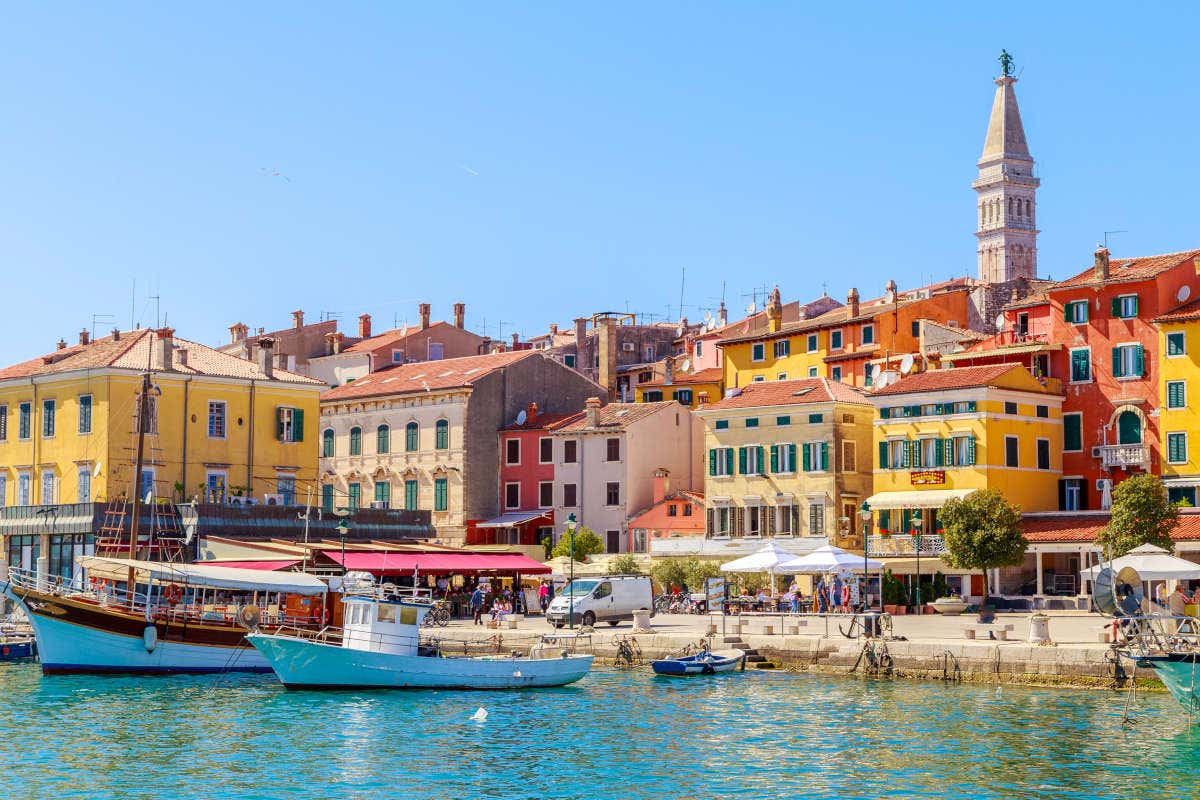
(613, 735)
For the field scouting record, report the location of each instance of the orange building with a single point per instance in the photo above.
(671, 517)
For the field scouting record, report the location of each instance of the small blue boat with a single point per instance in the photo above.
(705, 662)
(17, 648)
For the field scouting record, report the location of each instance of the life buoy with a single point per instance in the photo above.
(173, 593)
(4, 650)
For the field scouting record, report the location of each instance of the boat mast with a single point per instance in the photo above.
(143, 417)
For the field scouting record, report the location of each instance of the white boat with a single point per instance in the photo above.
(89, 626)
(379, 647)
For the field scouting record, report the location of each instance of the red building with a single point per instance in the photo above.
(526, 483)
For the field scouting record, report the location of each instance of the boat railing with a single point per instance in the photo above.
(390, 591)
(1157, 634)
(100, 592)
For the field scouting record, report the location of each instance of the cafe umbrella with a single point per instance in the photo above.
(768, 559)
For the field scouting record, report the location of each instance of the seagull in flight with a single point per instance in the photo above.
(274, 173)
(468, 170)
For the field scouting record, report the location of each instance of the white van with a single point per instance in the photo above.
(610, 598)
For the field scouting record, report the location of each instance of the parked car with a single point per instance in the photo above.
(609, 598)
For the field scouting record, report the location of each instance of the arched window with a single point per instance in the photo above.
(1129, 428)
(383, 440)
(410, 437)
(356, 441)
(442, 437)
(327, 443)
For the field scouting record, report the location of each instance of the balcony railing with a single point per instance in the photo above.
(905, 545)
(1122, 455)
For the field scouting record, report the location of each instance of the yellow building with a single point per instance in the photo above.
(218, 425)
(787, 459)
(1179, 333)
(692, 389)
(946, 433)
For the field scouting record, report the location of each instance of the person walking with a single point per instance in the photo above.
(1177, 605)
(477, 598)
(822, 596)
(835, 593)
(543, 596)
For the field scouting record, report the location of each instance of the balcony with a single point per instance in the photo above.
(905, 545)
(1122, 455)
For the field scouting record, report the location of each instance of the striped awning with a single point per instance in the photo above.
(932, 498)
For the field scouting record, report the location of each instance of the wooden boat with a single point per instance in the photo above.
(706, 662)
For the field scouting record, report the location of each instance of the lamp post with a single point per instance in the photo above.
(918, 522)
(571, 522)
(343, 529)
(865, 511)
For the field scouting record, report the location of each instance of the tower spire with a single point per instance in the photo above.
(1006, 190)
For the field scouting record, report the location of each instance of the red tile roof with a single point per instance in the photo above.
(427, 376)
(1085, 526)
(1125, 270)
(616, 416)
(542, 422)
(712, 375)
(787, 393)
(943, 379)
(391, 338)
(1183, 313)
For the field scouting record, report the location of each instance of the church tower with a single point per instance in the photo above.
(1007, 191)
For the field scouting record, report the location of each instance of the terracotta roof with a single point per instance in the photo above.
(1030, 300)
(426, 376)
(140, 350)
(1085, 526)
(943, 379)
(396, 336)
(1125, 270)
(1183, 313)
(542, 422)
(788, 393)
(711, 375)
(615, 416)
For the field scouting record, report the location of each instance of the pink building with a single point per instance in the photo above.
(671, 515)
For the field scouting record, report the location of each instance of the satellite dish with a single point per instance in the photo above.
(906, 364)
(712, 324)
(881, 380)
(751, 308)
(1184, 293)
(96, 469)
(1000, 322)
(522, 415)
(1128, 592)
(707, 315)
(876, 371)
(686, 366)
(679, 330)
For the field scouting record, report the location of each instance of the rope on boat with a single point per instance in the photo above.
(950, 675)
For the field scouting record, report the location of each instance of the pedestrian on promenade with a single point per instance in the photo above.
(1177, 604)
(477, 598)
(543, 596)
(846, 596)
(822, 596)
(835, 593)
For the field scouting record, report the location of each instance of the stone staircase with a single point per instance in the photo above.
(754, 658)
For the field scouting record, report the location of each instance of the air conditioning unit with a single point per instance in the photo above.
(382, 504)
(1095, 452)
(236, 501)
(1102, 484)
(272, 499)
(629, 347)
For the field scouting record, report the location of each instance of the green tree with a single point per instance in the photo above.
(587, 543)
(1141, 514)
(982, 531)
(669, 572)
(625, 564)
(699, 571)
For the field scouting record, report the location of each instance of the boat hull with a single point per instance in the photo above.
(700, 664)
(17, 649)
(304, 664)
(1180, 673)
(74, 638)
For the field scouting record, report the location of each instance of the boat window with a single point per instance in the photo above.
(579, 588)
(387, 612)
(603, 590)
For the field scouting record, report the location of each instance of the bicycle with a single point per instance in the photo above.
(859, 628)
(438, 615)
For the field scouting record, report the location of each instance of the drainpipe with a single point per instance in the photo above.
(184, 459)
(250, 445)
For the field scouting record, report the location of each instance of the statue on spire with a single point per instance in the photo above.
(1006, 64)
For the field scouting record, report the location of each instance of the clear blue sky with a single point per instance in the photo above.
(544, 161)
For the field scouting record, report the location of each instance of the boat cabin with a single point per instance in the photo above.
(382, 625)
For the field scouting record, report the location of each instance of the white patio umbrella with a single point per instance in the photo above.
(828, 558)
(767, 559)
(1152, 564)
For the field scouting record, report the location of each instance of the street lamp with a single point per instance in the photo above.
(917, 522)
(343, 529)
(865, 511)
(571, 522)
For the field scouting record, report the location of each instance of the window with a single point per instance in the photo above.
(835, 340)
(816, 519)
(327, 443)
(545, 494)
(355, 496)
(1175, 344)
(569, 361)
(441, 494)
(1073, 432)
(512, 451)
(570, 451)
(383, 493)
(783, 520)
(1043, 454)
(964, 451)
(1125, 306)
(868, 334)
(751, 422)
(812, 372)
(754, 520)
(512, 495)
(835, 373)
(782, 348)
(816, 457)
(782, 421)
(437, 351)
(683, 396)
(699, 349)
(441, 435)
(1011, 451)
(1042, 411)
(1076, 312)
(757, 352)
(570, 495)
(356, 441)
(722, 424)
(750, 460)
(612, 450)
(849, 456)
(24, 415)
(397, 356)
(652, 396)
(151, 415)
(816, 419)
(383, 439)
(1177, 448)
(23, 488)
(1176, 394)
(720, 462)
(411, 436)
(1182, 494)
(687, 509)
(612, 493)
(216, 420)
(289, 425)
(645, 377)
(1128, 361)
(1010, 407)
(3, 423)
(721, 519)
(84, 492)
(545, 450)
(812, 343)
(327, 497)
(1072, 494)
(285, 486)
(783, 457)
(47, 419)
(85, 416)
(1081, 365)
(782, 376)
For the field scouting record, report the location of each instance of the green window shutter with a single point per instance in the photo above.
(792, 458)
(824, 456)
(1066, 312)
(742, 460)
(904, 455)
(948, 454)
(712, 461)
(279, 423)
(1116, 363)
(1116, 306)
(883, 455)
(1135, 306)
(760, 459)
(939, 454)
(914, 453)
(971, 451)
(905, 521)
(298, 425)
(774, 458)
(883, 412)
(807, 458)
(1139, 360)
(971, 406)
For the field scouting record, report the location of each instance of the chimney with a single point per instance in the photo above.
(460, 315)
(364, 326)
(85, 337)
(531, 412)
(775, 310)
(333, 343)
(297, 319)
(1101, 267)
(166, 339)
(662, 484)
(265, 362)
(852, 301)
(237, 332)
(423, 310)
(722, 315)
(607, 349)
(593, 411)
(485, 346)
(581, 361)
(61, 345)
(516, 338)
(116, 334)
(889, 292)
(181, 356)
(553, 332)
(670, 372)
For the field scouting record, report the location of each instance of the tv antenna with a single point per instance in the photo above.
(1106, 233)
(105, 318)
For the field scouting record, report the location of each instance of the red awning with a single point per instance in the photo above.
(266, 565)
(457, 563)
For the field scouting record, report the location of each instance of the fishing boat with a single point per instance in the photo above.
(379, 646)
(180, 618)
(706, 662)
(17, 642)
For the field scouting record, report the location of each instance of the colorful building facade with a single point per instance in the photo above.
(1178, 419)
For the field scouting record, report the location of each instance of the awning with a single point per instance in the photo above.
(932, 498)
(378, 563)
(513, 518)
(249, 580)
(257, 565)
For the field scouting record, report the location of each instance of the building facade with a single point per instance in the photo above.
(1179, 342)
(673, 515)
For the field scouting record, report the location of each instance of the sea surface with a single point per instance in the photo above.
(613, 735)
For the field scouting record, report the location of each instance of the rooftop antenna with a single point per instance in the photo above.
(133, 305)
(682, 283)
(105, 318)
(157, 309)
(1106, 233)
